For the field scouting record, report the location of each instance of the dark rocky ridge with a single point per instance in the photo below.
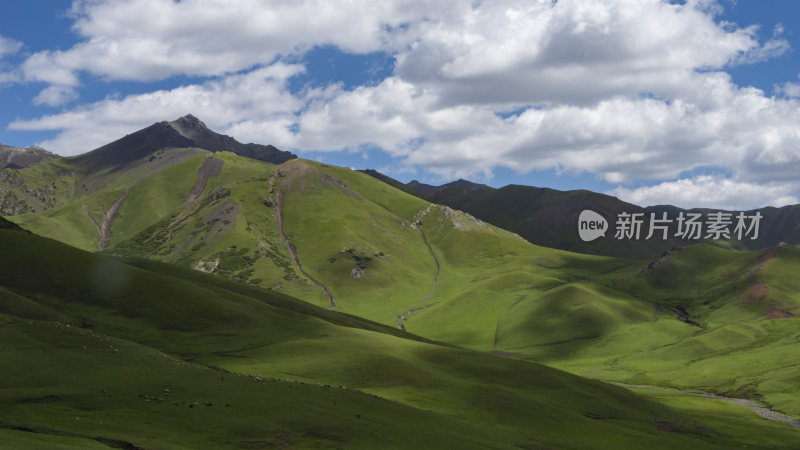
(549, 217)
(422, 188)
(185, 132)
(194, 129)
(19, 158)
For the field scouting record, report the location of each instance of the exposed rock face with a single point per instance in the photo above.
(195, 130)
(19, 158)
(358, 271)
(207, 266)
(186, 132)
(134, 147)
(18, 198)
(661, 260)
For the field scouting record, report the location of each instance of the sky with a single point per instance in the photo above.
(693, 103)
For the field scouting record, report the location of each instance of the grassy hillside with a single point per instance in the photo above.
(340, 239)
(100, 352)
(744, 334)
(593, 315)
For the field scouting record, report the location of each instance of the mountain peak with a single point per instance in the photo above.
(17, 158)
(189, 126)
(422, 188)
(465, 184)
(184, 132)
(190, 120)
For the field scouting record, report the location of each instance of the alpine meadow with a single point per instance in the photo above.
(517, 224)
(308, 305)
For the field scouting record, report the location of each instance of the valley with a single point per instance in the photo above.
(307, 287)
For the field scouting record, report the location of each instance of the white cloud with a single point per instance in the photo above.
(8, 46)
(45, 66)
(55, 96)
(789, 89)
(620, 139)
(499, 51)
(711, 191)
(256, 102)
(155, 39)
(577, 51)
(628, 90)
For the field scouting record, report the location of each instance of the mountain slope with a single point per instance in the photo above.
(549, 217)
(185, 132)
(19, 158)
(98, 213)
(353, 243)
(391, 182)
(146, 357)
(341, 239)
(192, 128)
(53, 182)
(542, 216)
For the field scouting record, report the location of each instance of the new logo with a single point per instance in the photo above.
(591, 225)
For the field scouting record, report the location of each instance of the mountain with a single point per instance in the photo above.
(185, 132)
(55, 181)
(19, 158)
(390, 181)
(192, 128)
(703, 317)
(420, 188)
(133, 147)
(542, 216)
(549, 217)
(104, 352)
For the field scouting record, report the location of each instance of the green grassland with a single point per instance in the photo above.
(56, 182)
(688, 321)
(103, 352)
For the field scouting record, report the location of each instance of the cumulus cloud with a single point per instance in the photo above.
(55, 96)
(620, 140)
(789, 89)
(231, 103)
(505, 50)
(8, 46)
(628, 90)
(575, 51)
(155, 39)
(711, 191)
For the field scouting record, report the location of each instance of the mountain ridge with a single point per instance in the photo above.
(19, 158)
(149, 355)
(396, 259)
(194, 129)
(549, 217)
(185, 132)
(50, 181)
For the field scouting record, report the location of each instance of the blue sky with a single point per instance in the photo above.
(690, 103)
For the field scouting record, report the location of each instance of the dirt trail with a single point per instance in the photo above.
(401, 319)
(104, 229)
(277, 202)
(211, 167)
(760, 410)
(757, 292)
